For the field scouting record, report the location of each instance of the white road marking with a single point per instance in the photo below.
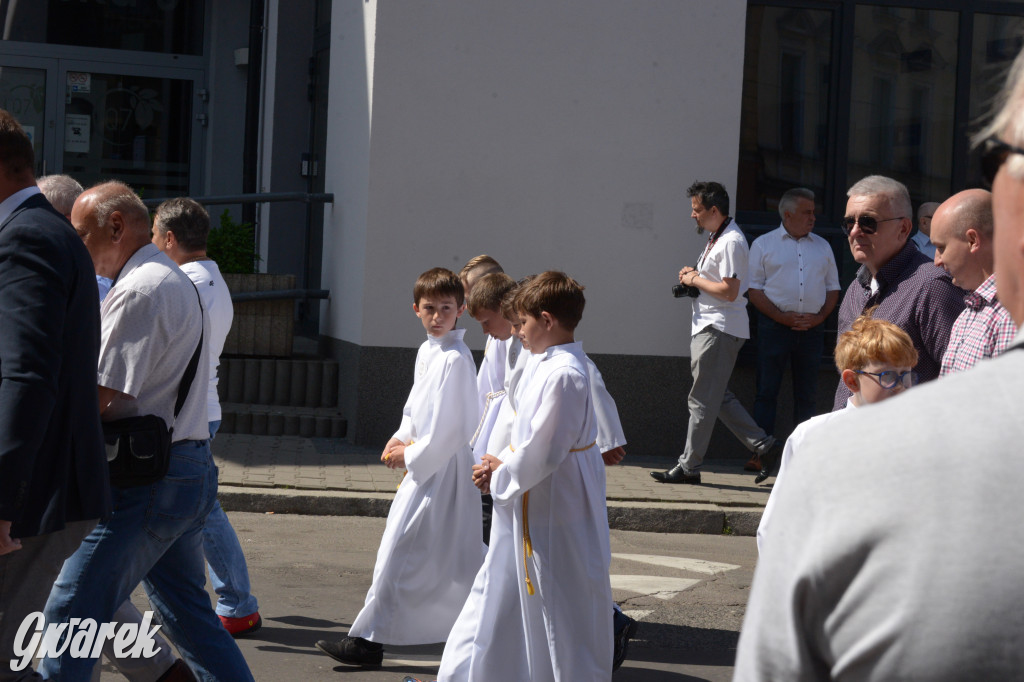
(638, 614)
(679, 563)
(652, 585)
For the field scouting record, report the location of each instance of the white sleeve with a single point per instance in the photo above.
(554, 430)
(453, 420)
(609, 427)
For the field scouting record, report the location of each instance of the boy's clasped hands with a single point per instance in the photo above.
(482, 472)
(394, 454)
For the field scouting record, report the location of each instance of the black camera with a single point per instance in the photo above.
(684, 291)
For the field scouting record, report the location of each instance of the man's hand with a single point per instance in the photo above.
(395, 457)
(805, 321)
(7, 543)
(685, 272)
(613, 456)
(791, 320)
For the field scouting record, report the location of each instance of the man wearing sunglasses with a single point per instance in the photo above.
(883, 565)
(909, 290)
(962, 232)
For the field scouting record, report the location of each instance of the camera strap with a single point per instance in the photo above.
(711, 241)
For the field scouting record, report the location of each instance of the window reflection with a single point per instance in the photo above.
(997, 41)
(902, 98)
(784, 121)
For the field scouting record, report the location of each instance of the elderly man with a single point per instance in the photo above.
(53, 471)
(907, 288)
(794, 284)
(922, 238)
(719, 327)
(152, 326)
(885, 566)
(962, 234)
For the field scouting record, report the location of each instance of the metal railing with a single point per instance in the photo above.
(255, 198)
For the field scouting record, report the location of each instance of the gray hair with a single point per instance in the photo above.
(927, 208)
(117, 196)
(187, 219)
(790, 198)
(879, 185)
(1008, 121)
(61, 191)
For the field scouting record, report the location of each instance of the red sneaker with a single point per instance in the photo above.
(242, 626)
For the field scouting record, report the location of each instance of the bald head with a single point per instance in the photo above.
(962, 235)
(113, 222)
(924, 216)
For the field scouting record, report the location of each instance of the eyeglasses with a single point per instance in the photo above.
(890, 379)
(995, 155)
(868, 225)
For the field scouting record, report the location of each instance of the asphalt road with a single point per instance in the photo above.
(311, 573)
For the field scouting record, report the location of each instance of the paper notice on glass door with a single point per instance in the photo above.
(76, 133)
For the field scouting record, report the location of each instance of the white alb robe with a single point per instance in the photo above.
(491, 377)
(555, 458)
(490, 643)
(793, 443)
(609, 427)
(431, 549)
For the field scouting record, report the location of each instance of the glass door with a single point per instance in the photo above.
(99, 121)
(28, 91)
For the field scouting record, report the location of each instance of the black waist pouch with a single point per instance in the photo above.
(138, 450)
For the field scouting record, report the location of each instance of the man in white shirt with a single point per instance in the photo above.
(719, 328)
(922, 238)
(794, 284)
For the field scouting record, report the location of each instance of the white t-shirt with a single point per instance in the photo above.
(795, 274)
(723, 257)
(217, 303)
(151, 321)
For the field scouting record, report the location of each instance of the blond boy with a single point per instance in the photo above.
(431, 548)
(875, 359)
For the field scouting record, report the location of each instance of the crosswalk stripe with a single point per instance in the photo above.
(652, 585)
(679, 563)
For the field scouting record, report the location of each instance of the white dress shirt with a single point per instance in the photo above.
(795, 274)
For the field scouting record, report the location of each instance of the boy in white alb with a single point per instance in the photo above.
(491, 377)
(875, 359)
(431, 548)
(552, 476)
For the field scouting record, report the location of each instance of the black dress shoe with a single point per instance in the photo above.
(675, 475)
(354, 650)
(770, 462)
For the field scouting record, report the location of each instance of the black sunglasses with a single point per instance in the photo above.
(868, 225)
(994, 156)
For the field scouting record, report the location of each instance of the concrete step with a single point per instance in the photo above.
(282, 420)
(310, 383)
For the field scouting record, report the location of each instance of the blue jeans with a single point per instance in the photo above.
(229, 574)
(154, 536)
(777, 346)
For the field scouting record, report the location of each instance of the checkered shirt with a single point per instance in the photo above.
(983, 330)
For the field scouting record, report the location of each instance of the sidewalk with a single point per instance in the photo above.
(324, 476)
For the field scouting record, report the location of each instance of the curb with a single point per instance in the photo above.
(650, 517)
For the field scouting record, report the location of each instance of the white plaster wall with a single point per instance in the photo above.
(549, 135)
(347, 168)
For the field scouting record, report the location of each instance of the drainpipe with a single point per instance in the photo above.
(254, 82)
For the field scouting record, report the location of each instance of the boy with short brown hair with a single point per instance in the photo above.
(431, 548)
(552, 476)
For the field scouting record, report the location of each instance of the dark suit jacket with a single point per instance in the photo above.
(53, 467)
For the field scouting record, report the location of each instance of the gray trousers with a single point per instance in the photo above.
(26, 576)
(712, 357)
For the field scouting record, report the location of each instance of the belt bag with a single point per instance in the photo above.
(139, 448)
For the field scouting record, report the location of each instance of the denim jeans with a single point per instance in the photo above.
(229, 573)
(154, 536)
(778, 346)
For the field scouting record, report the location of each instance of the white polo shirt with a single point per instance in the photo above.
(205, 274)
(795, 274)
(724, 257)
(150, 326)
